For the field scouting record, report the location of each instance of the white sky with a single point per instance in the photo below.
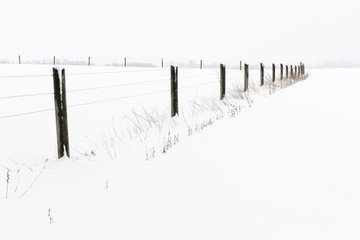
(229, 30)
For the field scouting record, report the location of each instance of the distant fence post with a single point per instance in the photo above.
(124, 61)
(222, 81)
(89, 63)
(246, 77)
(295, 71)
(281, 71)
(303, 68)
(201, 64)
(273, 72)
(287, 71)
(162, 63)
(54, 60)
(291, 71)
(261, 74)
(19, 60)
(174, 91)
(61, 113)
(299, 71)
(240, 65)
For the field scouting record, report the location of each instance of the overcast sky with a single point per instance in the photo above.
(312, 31)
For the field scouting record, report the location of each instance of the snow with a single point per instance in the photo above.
(285, 167)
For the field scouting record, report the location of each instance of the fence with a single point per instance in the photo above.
(60, 99)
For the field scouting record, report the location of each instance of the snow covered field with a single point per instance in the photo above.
(284, 167)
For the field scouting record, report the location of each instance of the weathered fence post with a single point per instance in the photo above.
(273, 72)
(201, 64)
(303, 68)
(89, 63)
(295, 72)
(291, 71)
(240, 65)
(124, 61)
(281, 71)
(61, 112)
(246, 77)
(299, 71)
(222, 81)
(174, 91)
(261, 74)
(19, 60)
(287, 71)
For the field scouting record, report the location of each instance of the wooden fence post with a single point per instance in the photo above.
(273, 72)
(201, 64)
(19, 60)
(299, 71)
(291, 71)
(261, 74)
(124, 61)
(295, 71)
(222, 81)
(281, 71)
(54, 60)
(174, 91)
(61, 113)
(89, 63)
(246, 77)
(240, 65)
(303, 68)
(287, 71)
(162, 63)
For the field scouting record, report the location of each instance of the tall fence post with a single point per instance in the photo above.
(240, 65)
(124, 61)
(222, 81)
(201, 64)
(19, 60)
(61, 113)
(261, 74)
(89, 63)
(287, 71)
(273, 72)
(281, 71)
(246, 77)
(174, 91)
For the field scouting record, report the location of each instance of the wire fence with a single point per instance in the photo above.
(183, 79)
(110, 86)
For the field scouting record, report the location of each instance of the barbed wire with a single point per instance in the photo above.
(80, 73)
(200, 84)
(115, 72)
(26, 76)
(26, 113)
(99, 101)
(118, 98)
(26, 95)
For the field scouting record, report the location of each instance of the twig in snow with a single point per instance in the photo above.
(50, 218)
(81, 154)
(33, 182)
(7, 183)
(17, 184)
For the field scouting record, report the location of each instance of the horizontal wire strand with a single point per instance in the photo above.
(26, 113)
(27, 95)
